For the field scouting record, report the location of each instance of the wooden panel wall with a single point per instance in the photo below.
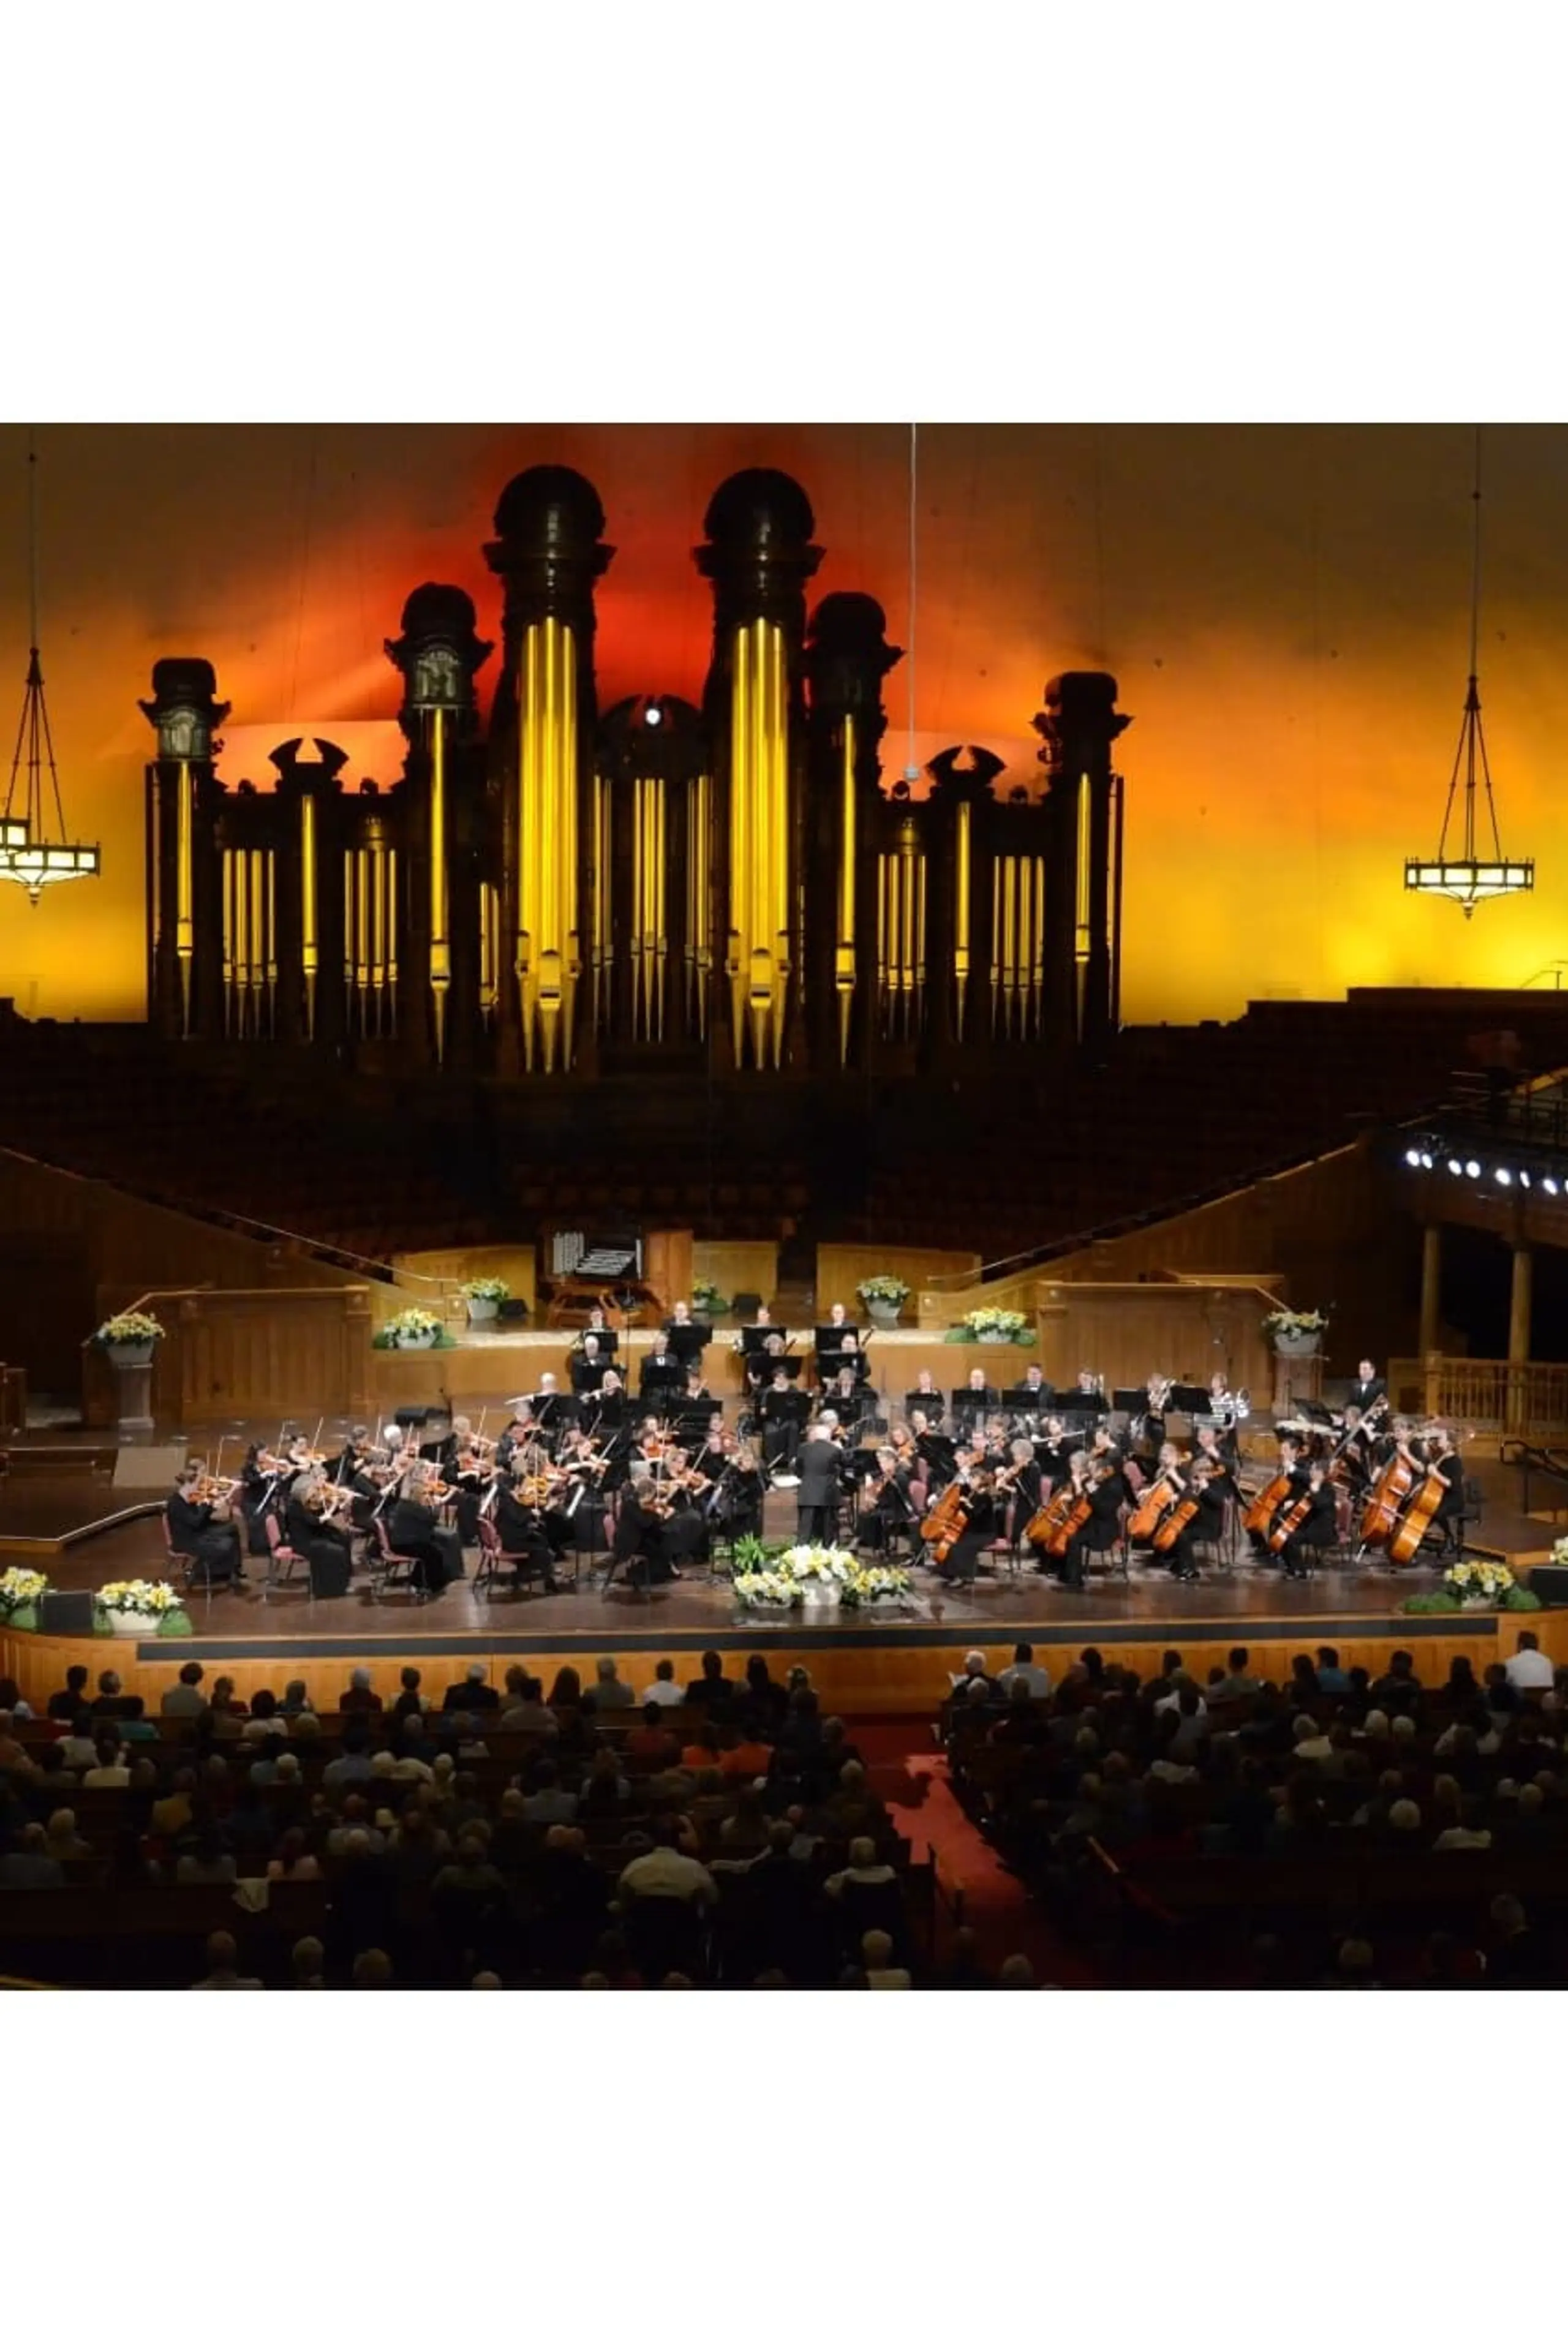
(853, 1676)
(249, 1354)
(841, 1264)
(735, 1267)
(1330, 1228)
(1128, 1330)
(668, 1259)
(514, 1262)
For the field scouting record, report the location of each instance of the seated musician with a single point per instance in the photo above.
(1442, 1460)
(1189, 1482)
(1311, 1481)
(1053, 1451)
(738, 1505)
(976, 1399)
(846, 1395)
(206, 1530)
(587, 1367)
(761, 1362)
(682, 1488)
(464, 1462)
(257, 1486)
(1089, 1385)
(697, 1390)
(612, 1397)
(781, 1424)
(317, 1533)
(343, 1465)
(661, 1367)
(886, 1507)
(640, 1532)
(1292, 1469)
(1026, 1487)
(1037, 1388)
(1099, 1474)
(417, 1532)
(520, 1529)
(982, 1524)
(926, 1386)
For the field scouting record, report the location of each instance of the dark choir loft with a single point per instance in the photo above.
(566, 891)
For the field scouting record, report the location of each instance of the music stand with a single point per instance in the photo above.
(1190, 1401)
(1311, 1409)
(755, 1337)
(415, 1416)
(689, 1339)
(1083, 1401)
(609, 1341)
(1132, 1402)
(552, 1408)
(1041, 1400)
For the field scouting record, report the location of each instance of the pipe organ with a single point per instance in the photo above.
(559, 891)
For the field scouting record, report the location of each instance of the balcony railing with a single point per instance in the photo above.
(1484, 1397)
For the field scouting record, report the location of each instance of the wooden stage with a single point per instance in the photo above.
(893, 1660)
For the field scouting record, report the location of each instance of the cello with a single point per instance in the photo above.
(1184, 1508)
(1424, 1501)
(946, 1520)
(1162, 1493)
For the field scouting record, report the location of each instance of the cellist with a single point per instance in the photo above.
(1099, 1475)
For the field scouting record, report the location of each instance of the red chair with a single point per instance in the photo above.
(391, 1570)
(283, 1559)
(182, 1564)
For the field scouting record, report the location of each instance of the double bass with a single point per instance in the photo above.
(1424, 1500)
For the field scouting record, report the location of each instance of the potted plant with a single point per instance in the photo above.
(709, 1302)
(997, 1324)
(137, 1606)
(1296, 1334)
(483, 1297)
(128, 1338)
(415, 1327)
(21, 1590)
(882, 1295)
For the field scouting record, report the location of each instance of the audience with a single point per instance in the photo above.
(735, 1835)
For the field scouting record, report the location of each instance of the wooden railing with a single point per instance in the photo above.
(1488, 1395)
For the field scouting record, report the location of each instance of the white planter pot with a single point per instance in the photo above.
(1298, 1343)
(427, 1339)
(819, 1602)
(483, 1310)
(127, 1354)
(883, 1313)
(131, 1622)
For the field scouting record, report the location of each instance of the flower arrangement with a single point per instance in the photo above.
(1560, 1553)
(869, 1584)
(996, 1323)
(768, 1588)
(21, 1589)
(416, 1326)
(818, 1563)
(708, 1300)
(1477, 1579)
(483, 1285)
(136, 1597)
(1291, 1323)
(889, 1287)
(129, 1330)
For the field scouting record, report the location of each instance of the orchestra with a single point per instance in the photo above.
(1065, 1482)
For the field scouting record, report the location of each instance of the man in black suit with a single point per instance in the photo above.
(1368, 1384)
(415, 1532)
(195, 1528)
(588, 1366)
(974, 1401)
(661, 1367)
(816, 1466)
(1037, 1388)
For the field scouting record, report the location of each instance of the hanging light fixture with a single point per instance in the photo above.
(30, 853)
(1470, 874)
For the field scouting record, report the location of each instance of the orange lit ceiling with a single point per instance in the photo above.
(1285, 610)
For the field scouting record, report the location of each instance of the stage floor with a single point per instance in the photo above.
(96, 1524)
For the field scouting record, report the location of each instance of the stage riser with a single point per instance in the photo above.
(859, 1675)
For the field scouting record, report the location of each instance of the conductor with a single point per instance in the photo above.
(818, 1500)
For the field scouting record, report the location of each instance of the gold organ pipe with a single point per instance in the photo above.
(546, 944)
(844, 954)
(490, 949)
(184, 885)
(1081, 912)
(960, 928)
(760, 926)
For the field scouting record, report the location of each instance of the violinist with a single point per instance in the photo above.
(257, 1486)
(516, 1436)
(520, 1528)
(640, 1524)
(204, 1528)
(676, 1487)
(1053, 1451)
(415, 1531)
(588, 1366)
(737, 1502)
(886, 1508)
(697, 1389)
(462, 1459)
(318, 1536)
(342, 1466)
